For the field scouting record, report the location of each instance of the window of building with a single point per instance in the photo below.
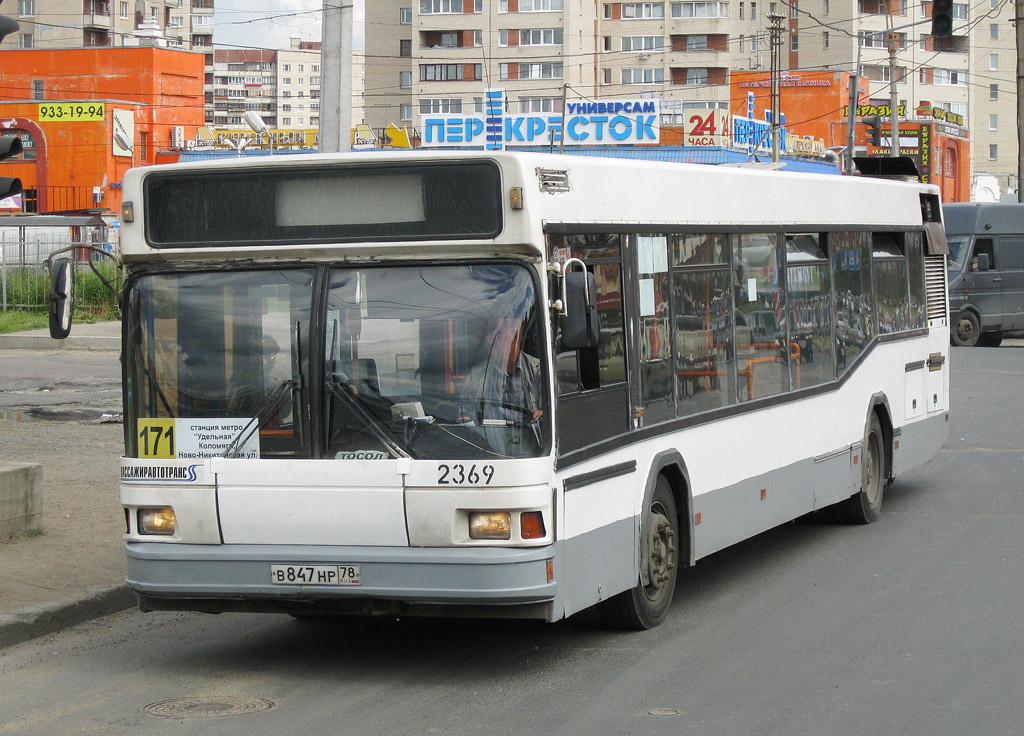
(26, 41)
(993, 122)
(540, 36)
(701, 10)
(405, 80)
(440, 6)
(643, 10)
(993, 31)
(993, 61)
(440, 72)
(993, 91)
(27, 8)
(825, 40)
(696, 76)
(536, 6)
(286, 121)
(405, 112)
(405, 16)
(647, 43)
(123, 8)
(405, 47)
(540, 104)
(643, 75)
(753, 11)
(38, 89)
(794, 42)
(436, 105)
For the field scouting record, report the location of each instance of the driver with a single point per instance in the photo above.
(501, 392)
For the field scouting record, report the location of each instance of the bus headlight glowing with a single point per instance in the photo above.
(490, 525)
(157, 521)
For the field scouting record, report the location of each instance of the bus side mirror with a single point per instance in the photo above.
(580, 325)
(62, 297)
(983, 264)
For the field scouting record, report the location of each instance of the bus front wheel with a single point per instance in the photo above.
(645, 606)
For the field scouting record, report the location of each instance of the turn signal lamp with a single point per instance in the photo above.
(531, 525)
(157, 521)
(490, 525)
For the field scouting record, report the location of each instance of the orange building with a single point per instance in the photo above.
(85, 116)
(814, 101)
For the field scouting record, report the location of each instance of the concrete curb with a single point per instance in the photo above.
(49, 618)
(19, 341)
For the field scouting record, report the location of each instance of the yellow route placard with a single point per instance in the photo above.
(156, 439)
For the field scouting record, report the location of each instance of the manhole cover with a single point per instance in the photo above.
(207, 708)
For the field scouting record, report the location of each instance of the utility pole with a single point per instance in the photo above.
(894, 118)
(776, 50)
(1018, 17)
(336, 77)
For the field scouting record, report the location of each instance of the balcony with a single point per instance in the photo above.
(97, 22)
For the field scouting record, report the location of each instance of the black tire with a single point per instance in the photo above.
(645, 606)
(990, 340)
(966, 330)
(863, 507)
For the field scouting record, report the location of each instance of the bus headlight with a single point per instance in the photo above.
(490, 525)
(157, 521)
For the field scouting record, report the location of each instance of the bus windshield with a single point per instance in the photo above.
(439, 362)
(410, 361)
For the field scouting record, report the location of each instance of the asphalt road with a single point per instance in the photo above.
(911, 625)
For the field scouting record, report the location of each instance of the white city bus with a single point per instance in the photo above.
(509, 384)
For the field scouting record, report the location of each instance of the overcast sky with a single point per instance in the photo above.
(270, 23)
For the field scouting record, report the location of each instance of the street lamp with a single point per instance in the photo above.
(126, 143)
(254, 121)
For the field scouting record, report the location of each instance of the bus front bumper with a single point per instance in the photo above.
(478, 581)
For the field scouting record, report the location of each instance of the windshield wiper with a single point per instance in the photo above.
(271, 405)
(342, 391)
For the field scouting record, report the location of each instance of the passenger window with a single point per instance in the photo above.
(762, 350)
(855, 315)
(591, 368)
(811, 334)
(891, 289)
(656, 380)
(702, 328)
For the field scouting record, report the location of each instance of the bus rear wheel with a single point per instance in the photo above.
(645, 606)
(863, 507)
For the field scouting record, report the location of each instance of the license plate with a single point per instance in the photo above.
(314, 574)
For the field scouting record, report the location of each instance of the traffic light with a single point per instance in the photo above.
(874, 134)
(942, 17)
(7, 25)
(10, 145)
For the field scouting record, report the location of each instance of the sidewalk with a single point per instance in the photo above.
(72, 571)
(98, 336)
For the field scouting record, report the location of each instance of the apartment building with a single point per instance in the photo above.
(187, 24)
(431, 56)
(243, 80)
(60, 24)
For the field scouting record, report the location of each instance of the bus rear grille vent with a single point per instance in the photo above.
(553, 180)
(935, 286)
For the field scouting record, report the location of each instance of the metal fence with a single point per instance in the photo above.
(24, 281)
